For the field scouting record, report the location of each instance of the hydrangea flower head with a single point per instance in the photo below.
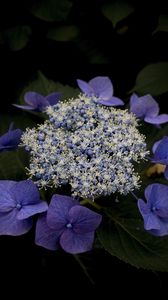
(87, 145)
(101, 88)
(10, 140)
(155, 210)
(67, 224)
(38, 102)
(18, 202)
(160, 151)
(147, 108)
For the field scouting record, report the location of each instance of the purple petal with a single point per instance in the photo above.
(137, 107)
(160, 119)
(45, 236)
(159, 199)
(163, 228)
(7, 203)
(148, 192)
(83, 219)
(152, 107)
(7, 185)
(9, 225)
(37, 101)
(161, 152)
(113, 101)
(26, 193)
(11, 139)
(11, 126)
(25, 107)
(150, 220)
(157, 195)
(143, 207)
(151, 194)
(85, 87)
(133, 99)
(166, 172)
(75, 243)
(33, 98)
(144, 106)
(102, 87)
(156, 144)
(30, 210)
(53, 98)
(58, 211)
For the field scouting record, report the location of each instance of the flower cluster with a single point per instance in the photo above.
(88, 145)
(93, 147)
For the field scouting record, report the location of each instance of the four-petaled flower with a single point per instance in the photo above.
(68, 224)
(18, 202)
(160, 151)
(147, 108)
(102, 88)
(38, 102)
(10, 140)
(155, 210)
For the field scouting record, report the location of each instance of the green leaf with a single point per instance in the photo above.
(123, 236)
(63, 33)
(46, 86)
(17, 37)
(117, 11)
(51, 10)
(162, 24)
(13, 163)
(153, 79)
(67, 91)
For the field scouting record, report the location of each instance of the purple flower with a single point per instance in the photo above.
(67, 224)
(102, 88)
(147, 108)
(155, 210)
(38, 102)
(18, 202)
(10, 140)
(160, 151)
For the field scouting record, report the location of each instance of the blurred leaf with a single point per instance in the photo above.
(122, 30)
(117, 11)
(123, 236)
(162, 24)
(93, 54)
(46, 86)
(153, 79)
(51, 10)
(67, 91)
(17, 37)
(63, 33)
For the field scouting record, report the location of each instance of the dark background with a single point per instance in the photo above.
(100, 49)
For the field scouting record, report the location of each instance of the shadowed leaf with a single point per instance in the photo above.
(117, 11)
(17, 37)
(51, 10)
(123, 236)
(63, 33)
(162, 24)
(153, 79)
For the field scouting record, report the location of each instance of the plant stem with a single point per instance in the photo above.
(91, 202)
(83, 268)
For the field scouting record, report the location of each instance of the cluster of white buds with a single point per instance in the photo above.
(85, 144)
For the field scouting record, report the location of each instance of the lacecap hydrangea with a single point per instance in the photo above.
(91, 146)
